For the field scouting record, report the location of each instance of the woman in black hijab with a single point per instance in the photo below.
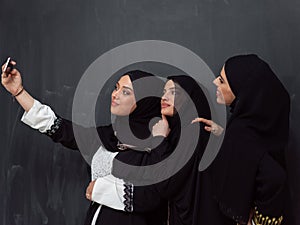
(248, 175)
(181, 150)
(132, 115)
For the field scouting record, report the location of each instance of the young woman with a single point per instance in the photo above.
(248, 175)
(247, 179)
(182, 101)
(114, 138)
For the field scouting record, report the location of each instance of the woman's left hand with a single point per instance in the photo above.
(89, 190)
(250, 217)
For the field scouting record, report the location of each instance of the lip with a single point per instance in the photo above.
(113, 103)
(164, 105)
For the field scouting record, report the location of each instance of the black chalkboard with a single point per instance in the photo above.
(54, 42)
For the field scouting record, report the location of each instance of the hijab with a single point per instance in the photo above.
(259, 124)
(133, 130)
(184, 115)
(183, 184)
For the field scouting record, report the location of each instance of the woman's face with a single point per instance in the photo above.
(168, 98)
(224, 92)
(122, 98)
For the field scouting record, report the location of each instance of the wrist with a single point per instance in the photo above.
(18, 92)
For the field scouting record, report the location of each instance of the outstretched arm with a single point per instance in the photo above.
(12, 81)
(40, 116)
(210, 126)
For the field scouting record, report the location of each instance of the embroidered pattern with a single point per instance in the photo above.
(128, 196)
(259, 219)
(54, 127)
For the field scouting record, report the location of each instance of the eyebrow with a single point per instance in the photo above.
(126, 87)
(171, 88)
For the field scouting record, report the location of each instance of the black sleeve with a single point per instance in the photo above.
(146, 198)
(270, 190)
(62, 131)
(143, 198)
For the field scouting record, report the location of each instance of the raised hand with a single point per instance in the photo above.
(211, 126)
(161, 128)
(11, 80)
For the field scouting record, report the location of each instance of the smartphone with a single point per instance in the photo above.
(7, 65)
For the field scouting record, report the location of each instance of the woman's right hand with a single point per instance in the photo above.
(12, 80)
(211, 126)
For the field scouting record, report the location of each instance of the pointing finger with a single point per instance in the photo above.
(208, 122)
(163, 117)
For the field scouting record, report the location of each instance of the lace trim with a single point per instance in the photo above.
(259, 219)
(54, 127)
(128, 196)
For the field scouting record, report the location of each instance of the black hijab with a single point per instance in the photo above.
(184, 115)
(258, 125)
(182, 189)
(134, 129)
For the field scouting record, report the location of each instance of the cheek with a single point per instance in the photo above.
(179, 101)
(171, 100)
(130, 103)
(227, 97)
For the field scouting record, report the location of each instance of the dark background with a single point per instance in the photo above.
(55, 41)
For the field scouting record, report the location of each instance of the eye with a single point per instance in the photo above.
(221, 80)
(125, 92)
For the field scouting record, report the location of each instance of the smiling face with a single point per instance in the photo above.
(168, 104)
(224, 92)
(122, 98)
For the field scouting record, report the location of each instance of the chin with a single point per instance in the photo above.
(115, 112)
(112, 111)
(220, 101)
(166, 112)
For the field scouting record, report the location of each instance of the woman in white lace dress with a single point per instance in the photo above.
(114, 138)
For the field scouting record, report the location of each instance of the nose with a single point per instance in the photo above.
(115, 94)
(216, 81)
(164, 97)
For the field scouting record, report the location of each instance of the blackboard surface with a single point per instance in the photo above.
(54, 42)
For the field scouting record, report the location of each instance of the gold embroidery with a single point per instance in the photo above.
(259, 219)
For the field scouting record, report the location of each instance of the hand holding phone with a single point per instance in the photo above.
(11, 78)
(8, 66)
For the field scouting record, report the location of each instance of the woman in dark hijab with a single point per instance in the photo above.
(132, 115)
(181, 147)
(248, 175)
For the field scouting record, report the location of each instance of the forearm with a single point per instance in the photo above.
(25, 100)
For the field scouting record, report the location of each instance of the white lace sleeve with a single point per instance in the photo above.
(39, 117)
(102, 163)
(114, 193)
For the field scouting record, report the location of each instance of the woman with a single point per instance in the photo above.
(114, 139)
(248, 175)
(180, 143)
